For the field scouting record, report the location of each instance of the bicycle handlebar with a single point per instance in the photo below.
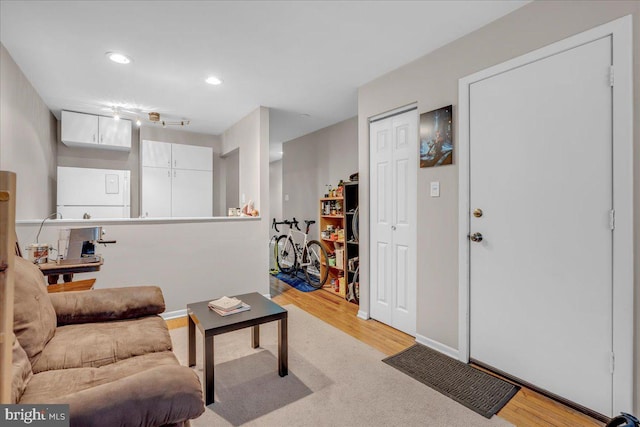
(291, 224)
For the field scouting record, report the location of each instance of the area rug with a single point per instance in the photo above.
(297, 280)
(477, 390)
(334, 380)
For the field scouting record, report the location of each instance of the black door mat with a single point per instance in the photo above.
(477, 390)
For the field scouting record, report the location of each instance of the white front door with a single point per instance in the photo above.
(541, 172)
(394, 160)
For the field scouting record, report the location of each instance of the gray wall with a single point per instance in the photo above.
(231, 167)
(311, 162)
(432, 81)
(108, 159)
(27, 141)
(275, 189)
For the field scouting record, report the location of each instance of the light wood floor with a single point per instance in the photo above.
(526, 408)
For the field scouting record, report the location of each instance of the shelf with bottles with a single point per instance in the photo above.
(333, 236)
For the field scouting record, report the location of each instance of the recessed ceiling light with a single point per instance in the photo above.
(118, 57)
(213, 80)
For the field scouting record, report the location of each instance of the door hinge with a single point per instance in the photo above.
(612, 362)
(612, 219)
(611, 79)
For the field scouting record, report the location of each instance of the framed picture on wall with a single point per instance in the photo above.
(436, 137)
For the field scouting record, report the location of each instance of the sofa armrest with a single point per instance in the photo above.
(155, 397)
(101, 305)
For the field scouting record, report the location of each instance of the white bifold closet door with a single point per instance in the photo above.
(394, 163)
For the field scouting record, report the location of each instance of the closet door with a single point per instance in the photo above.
(156, 192)
(394, 160)
(191, 193)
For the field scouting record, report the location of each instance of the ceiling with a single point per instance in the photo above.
(304, 60)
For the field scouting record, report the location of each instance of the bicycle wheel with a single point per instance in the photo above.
(316, 256)
(354, 287)
(286, 255)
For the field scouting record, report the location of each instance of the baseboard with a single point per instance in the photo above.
(363, 315)
(174, 314)
(438, 346)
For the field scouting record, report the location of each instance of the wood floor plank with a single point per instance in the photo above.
(526, 409)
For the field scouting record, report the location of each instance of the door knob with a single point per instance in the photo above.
(393, 227)
(476, 237)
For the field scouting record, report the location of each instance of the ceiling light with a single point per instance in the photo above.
(138, 122)
(118, 57)
(213, 80)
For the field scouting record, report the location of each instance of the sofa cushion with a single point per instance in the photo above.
(21, 371)
(47, 385)
(148, 390)
(102, 343)
(34, 319)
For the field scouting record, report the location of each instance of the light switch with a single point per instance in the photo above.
(112, 184)
(435, 189)
(286, 197)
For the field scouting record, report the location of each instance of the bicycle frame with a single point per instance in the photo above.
(299, 248)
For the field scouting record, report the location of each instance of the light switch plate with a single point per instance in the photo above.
(286, 197)
(435, 189)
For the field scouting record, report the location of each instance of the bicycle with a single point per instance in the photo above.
(309, 256)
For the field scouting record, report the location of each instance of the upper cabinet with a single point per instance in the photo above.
(156, 154)
(87, 130)
(114, 134)
(192, 157)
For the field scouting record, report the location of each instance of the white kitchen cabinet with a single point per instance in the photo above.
(191, 157)
(88, 130)
(114, 133)
(156, 192)
(156, 154)
(188, 170)
(79, 128)
(191, 193)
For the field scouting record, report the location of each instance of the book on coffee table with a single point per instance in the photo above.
(225, 304)
(243, 307)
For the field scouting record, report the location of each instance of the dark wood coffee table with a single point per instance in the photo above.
(211, 324)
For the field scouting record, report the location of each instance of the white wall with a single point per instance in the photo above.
(190, 261)
(275, 189)
(432, 81)
(27, 141)
(314, 160)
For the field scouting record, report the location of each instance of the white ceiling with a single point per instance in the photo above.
(294, 57)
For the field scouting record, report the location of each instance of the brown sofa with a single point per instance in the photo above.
(105, 352)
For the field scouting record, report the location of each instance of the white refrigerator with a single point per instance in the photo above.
(93, 193)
